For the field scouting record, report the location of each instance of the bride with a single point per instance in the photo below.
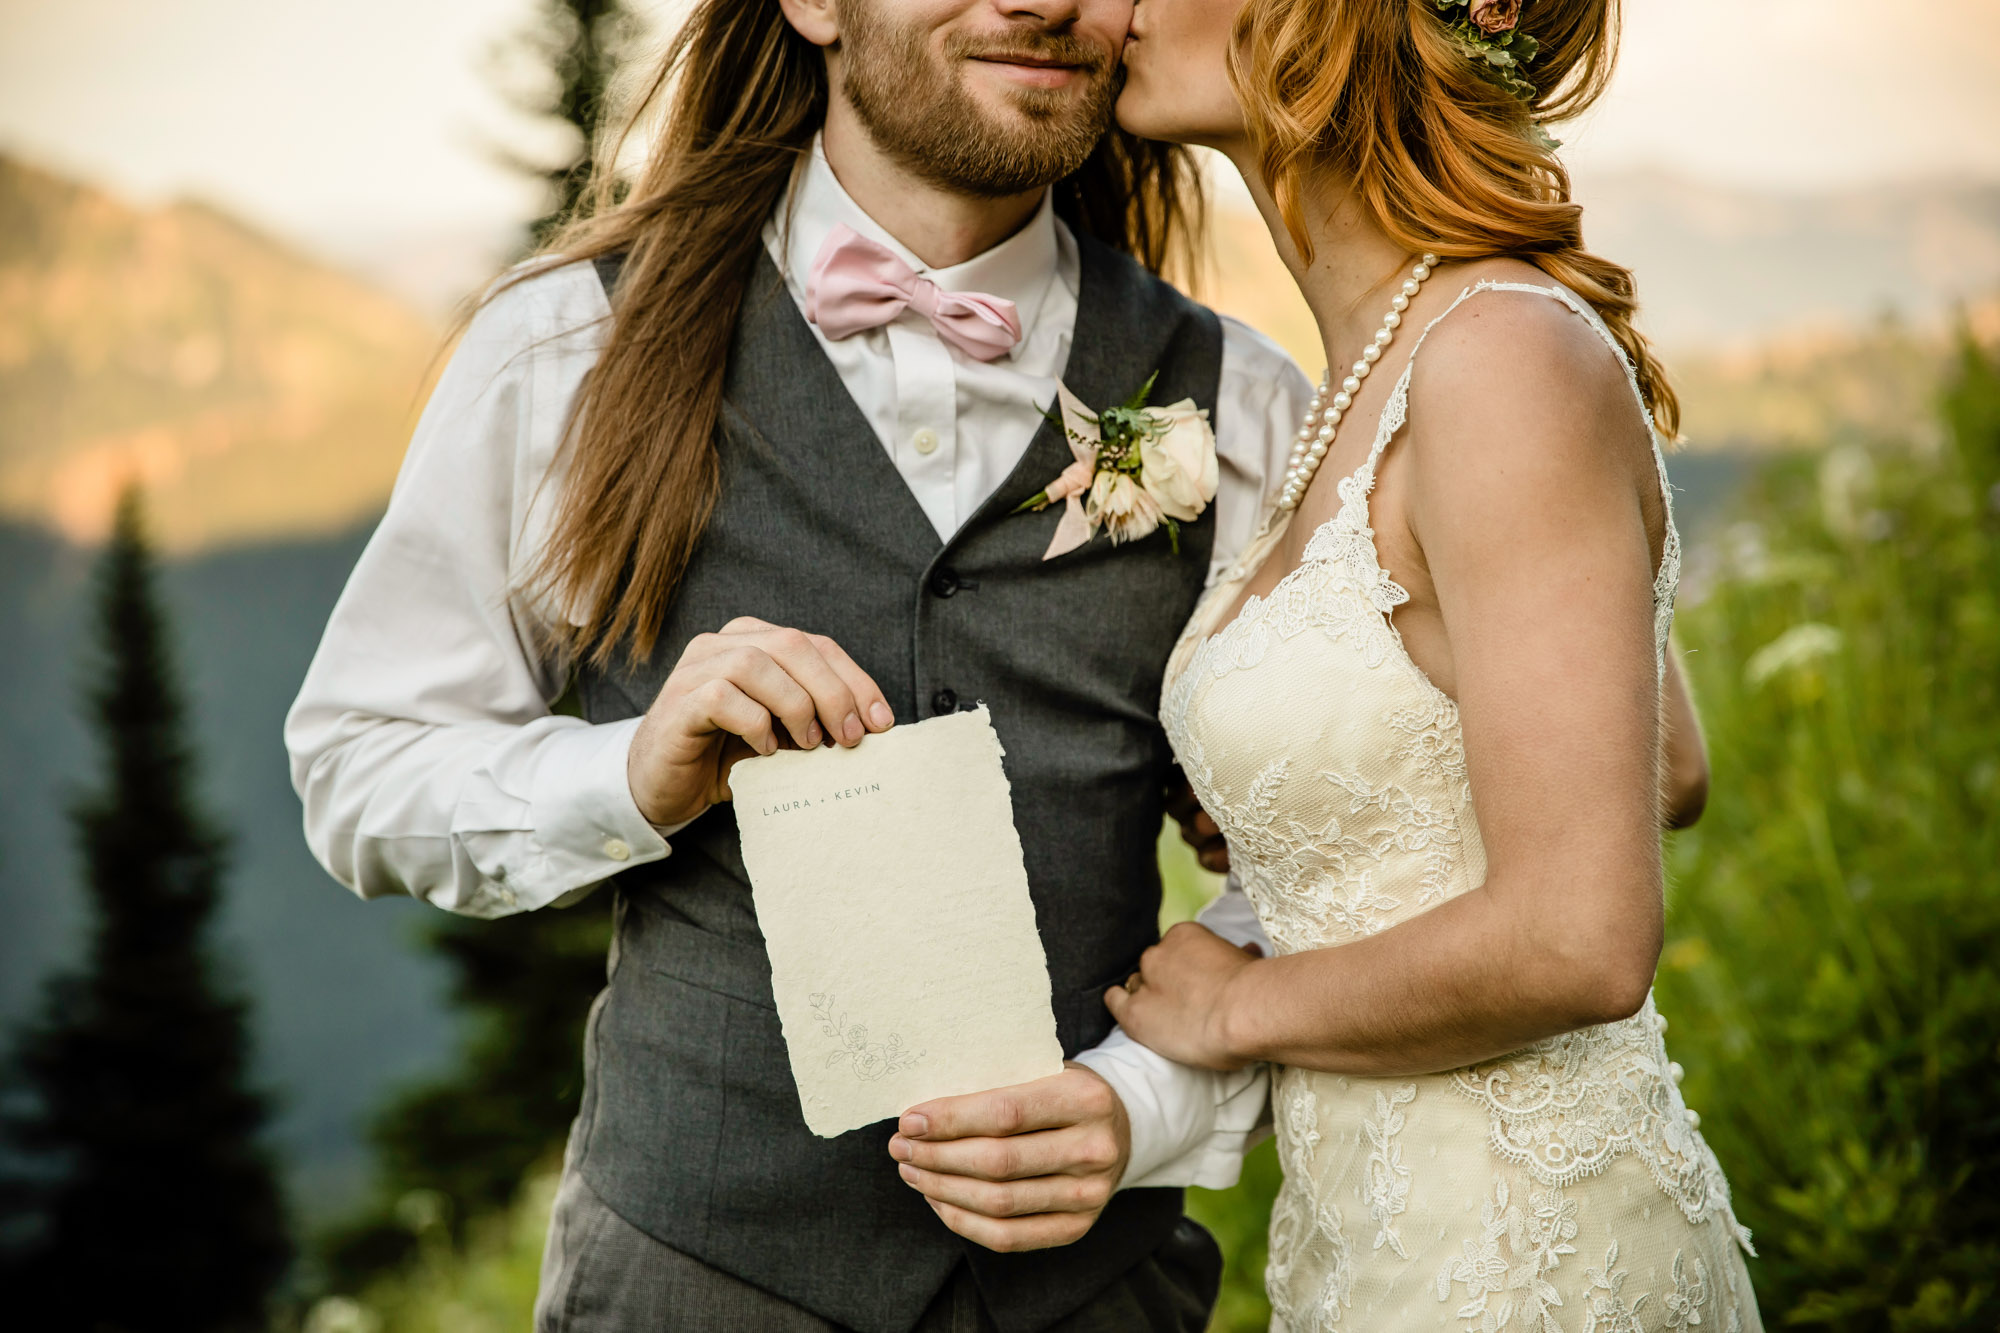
(1423, 707)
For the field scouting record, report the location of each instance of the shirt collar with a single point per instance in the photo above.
(1019, 269)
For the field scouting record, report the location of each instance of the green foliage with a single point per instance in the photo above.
(525, 984)
(575, 48)
(1833, 970)
(484, 1285)
(133, 1107)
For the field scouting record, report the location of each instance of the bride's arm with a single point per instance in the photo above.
(1684, 765)
(1523, 482)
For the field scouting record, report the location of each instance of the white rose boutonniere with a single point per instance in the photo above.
(1136, 467)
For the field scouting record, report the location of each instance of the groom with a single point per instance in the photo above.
(872, 452)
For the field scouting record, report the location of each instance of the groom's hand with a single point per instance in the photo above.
(746, 690)
(1020, 1168)
(1197, 829)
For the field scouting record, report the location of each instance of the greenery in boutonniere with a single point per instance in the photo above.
(1136, 467)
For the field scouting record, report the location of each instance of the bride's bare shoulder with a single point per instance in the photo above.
(1513, 367)
(1521, 419)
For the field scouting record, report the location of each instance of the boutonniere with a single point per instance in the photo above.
(1136, 467)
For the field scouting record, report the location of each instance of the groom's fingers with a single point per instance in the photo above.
(1006, 1235)
(1018, 1168)
(849, 702)
(721, 706)
(1047, 1103)
(868, 698)
(1011, 1198)
(767, 681)
(1077, 1150)
(781, 669)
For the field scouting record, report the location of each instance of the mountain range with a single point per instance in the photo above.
(1784, 320)
(256, 392)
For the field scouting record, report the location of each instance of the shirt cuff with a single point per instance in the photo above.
(583, 814)
(1189, 1126)
(1231, 916)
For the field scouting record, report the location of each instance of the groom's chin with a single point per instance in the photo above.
(1022, 110)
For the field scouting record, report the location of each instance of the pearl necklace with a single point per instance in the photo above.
(1323, 418)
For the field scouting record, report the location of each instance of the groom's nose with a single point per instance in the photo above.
(1095, 17)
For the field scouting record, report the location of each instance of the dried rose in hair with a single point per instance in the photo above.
(1495, 16)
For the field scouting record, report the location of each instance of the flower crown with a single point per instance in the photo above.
(1487, 32)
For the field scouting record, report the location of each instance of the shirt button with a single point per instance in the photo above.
(925, 441)
(944, 583)
(944, 701)
(504, 894)
(617, 849)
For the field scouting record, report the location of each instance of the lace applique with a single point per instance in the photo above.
(1301, 1127)
(1309, 597)
(1349, 540)
(1566, 1107)
(1413, 825)
(1307, 1236)
(1684, 1302)
(1604, 1308)
(1339, 555)
(1432, 743)
(1535, 1241)
(1299, 879)
(1385, 1186)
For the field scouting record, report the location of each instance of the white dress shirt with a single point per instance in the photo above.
(421, 742)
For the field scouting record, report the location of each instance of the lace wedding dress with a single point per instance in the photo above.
(1562, 1187)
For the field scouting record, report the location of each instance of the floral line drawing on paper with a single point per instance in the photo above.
(868, 1060)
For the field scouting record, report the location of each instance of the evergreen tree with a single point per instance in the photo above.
(151, 1204)
(575, 47)
(524, 983)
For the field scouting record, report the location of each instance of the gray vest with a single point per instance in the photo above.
(690, 1127)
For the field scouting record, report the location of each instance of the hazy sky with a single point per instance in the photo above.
(370, 116)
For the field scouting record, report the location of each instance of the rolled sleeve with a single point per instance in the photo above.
(422, 742)
(1189, 1126)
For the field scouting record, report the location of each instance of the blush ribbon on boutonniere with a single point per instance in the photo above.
(1136, 467)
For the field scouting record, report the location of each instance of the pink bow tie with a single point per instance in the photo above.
(857, 284)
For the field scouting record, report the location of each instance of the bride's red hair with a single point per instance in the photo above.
(1443, 157)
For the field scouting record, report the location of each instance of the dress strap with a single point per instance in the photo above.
(1578, 306)
(1396, 411)
(1667, 576)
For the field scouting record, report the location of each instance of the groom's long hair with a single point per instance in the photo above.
(740, 95)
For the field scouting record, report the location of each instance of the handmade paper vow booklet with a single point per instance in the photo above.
(889, 885)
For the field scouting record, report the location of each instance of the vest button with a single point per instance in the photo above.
(944, 701)
(944, 583)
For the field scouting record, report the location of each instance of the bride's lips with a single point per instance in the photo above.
(1034, 71)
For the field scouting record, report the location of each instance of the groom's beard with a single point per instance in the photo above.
(920, 113)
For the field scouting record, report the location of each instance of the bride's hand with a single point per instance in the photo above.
(1177, 1003)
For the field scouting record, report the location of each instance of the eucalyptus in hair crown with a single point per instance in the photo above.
(1489, 32)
